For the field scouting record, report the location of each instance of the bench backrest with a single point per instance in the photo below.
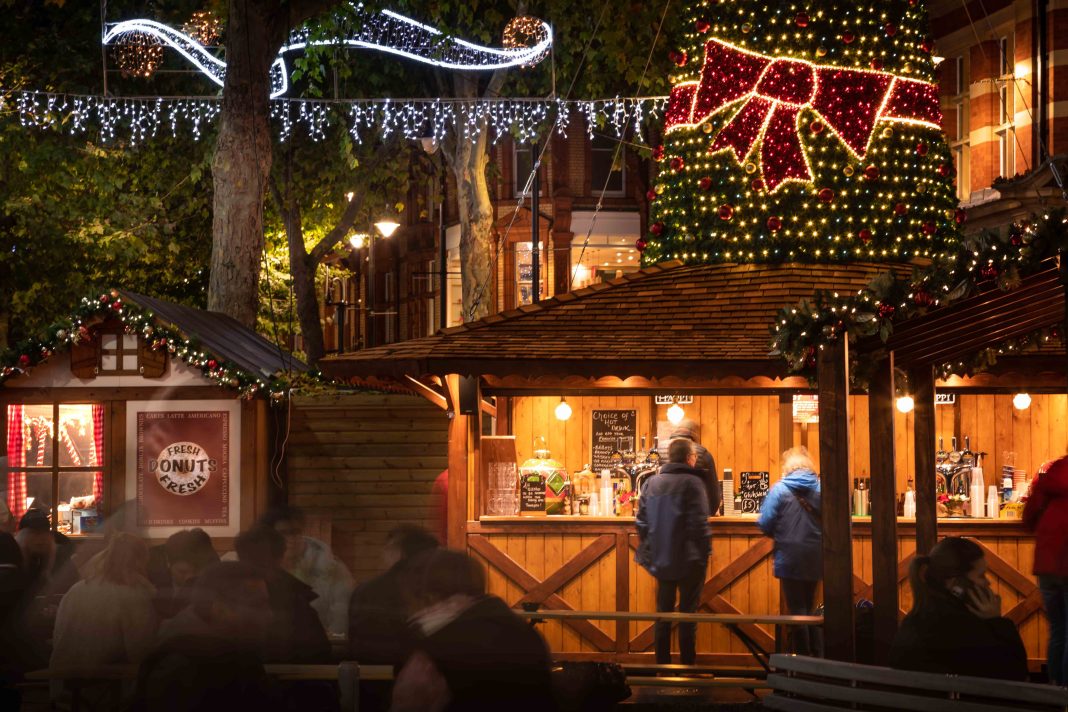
(804, 684)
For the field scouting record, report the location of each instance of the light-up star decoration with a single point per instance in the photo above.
(385, 31)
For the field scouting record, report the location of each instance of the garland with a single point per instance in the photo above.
(988, 260)
(61, 335)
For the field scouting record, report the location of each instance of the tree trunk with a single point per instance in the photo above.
(303, 273)
(242, 162)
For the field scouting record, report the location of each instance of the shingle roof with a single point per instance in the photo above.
(222, 335)
(659, 320)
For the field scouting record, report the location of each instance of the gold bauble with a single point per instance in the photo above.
(706, 127)
(750, 168)
(849, 170)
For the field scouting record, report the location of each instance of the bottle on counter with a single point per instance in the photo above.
(967, 457)
(909, 510)
(857, 505)
(865, 495)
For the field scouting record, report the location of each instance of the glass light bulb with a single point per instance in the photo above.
(905, 404)
(563, 410)
(675, 414)
(1021, 401)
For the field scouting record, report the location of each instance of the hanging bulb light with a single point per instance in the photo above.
(563, 410)
(905, 404)
(675, 413)
(1021, 401)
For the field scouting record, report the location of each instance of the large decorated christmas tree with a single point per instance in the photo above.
(803, 131)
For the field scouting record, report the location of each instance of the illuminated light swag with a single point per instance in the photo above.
(773, 91)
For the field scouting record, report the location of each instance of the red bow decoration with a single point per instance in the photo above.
(773, 92)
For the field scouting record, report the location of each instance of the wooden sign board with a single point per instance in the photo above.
(752, 487)
(612, 431)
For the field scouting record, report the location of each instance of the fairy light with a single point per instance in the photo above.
(204, 27)
(139, 55)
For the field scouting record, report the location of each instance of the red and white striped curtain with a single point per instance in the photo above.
(16, 481)
(98, 445)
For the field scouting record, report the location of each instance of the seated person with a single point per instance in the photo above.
(173, 568)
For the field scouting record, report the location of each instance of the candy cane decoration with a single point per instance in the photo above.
(42, 440)
(72, 451)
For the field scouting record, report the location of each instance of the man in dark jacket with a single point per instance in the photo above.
(706, 464)
(675, 543)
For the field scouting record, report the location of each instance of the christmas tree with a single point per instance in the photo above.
(803, 132)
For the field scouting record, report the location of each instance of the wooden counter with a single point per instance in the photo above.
(587, 563)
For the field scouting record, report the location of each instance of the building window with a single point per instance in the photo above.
(961, 138)
(1005, 129)
(524, 273)
(118, 353)
(607, 166)
(522, 166)
(454, 291)
(55, 463)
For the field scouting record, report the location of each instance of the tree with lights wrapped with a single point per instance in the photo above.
(803, 132)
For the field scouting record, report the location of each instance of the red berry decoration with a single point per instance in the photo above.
(657, 228)
(640, 244)
(774, 223)
(801, 19)
(24, 361)
(703, 25)
(658, 153)
(890, 29)
(706, 184)
(929, 228)
(886, 311)
(677, 163)
(901, 209)
(876, 63)
(726, 211)
(825, 195)
(944, 170)
(961, 216)
(816, 127)
(650, 195)
(871, 172)
(864, 235)
(921, 149)
(848, 37)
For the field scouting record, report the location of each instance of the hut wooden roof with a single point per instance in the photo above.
(667, 319)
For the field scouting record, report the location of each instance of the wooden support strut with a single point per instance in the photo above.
(883, 507)
(923, 395)
(833, 374)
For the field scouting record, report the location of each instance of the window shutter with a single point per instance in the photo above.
(85, 356)
(152, 363)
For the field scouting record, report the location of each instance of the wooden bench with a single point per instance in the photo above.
(804, 684)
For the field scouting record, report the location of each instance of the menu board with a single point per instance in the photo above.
(613, 431)
(752, 488)
(532, 495)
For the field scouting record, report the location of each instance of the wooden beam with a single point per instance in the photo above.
(456, 499)
(786, 421)
(883, 507)
(923, 394)
(427, 392)
(833, 374)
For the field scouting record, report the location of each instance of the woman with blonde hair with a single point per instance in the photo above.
(791, 516)
(108, 617)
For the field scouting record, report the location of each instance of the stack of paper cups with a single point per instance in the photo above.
(993, 504)
(728, 497)
(976, 501)
(910, 504)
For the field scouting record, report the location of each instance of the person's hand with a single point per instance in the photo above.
(983, 602)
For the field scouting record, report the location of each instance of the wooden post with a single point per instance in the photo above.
(833, 373)
(786, 421)
(883, 506)
(456, 500)
(923, 393)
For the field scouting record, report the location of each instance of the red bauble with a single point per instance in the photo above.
(922, 298)
(677, 163)
(678, 58)
(886, 310)
(927, 46)
(212, 364)
(24, 361)
(658, 153)
(864, 235)
(848, 37)
(901, 209)
(825, 195)
(650, 195)
(876, 63)
(929, 228)
(871, 172)
(640, 244)
(890, 29)
(657, 228)
(726, 211)
(703, 25)
(944, 170)
(801, 19)
(774, 223)
(816, 127)
(961, 216)
(989, 272)
(116, 305)
(921, 149)
(104, 298)
(706, 184)
(757, 185)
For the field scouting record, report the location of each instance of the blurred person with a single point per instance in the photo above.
(790, 515)
(439, 501)
(675, 543)
(48, 574)
(212, 658)
(107, 618)
(174, 566)
(311, 561)
(14, 658)
(297, 635)
(475, 653)
(955, 625)
(1046, 514)
(705, 463)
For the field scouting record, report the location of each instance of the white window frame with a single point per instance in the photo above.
(1005, 129)
(961, 146)
(595, 187)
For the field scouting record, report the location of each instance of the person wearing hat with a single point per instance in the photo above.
(706, 464)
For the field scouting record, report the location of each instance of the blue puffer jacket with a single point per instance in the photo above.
(673, 523)
(797, 535)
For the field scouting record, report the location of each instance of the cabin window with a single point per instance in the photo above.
(55, 463)
(118, 353)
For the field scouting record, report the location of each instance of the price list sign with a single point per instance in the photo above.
(752, 488)
(613, 431)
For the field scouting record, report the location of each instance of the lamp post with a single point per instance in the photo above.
(385, 228)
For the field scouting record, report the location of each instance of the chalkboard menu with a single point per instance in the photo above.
(532, 494)
(751, 488)
(613, 431)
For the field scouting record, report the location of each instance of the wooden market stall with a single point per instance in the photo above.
(622, 355)
(136, 406)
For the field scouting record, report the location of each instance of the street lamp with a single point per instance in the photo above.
(385, 228)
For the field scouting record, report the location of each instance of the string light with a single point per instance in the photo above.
(204, 27)
(139, 55)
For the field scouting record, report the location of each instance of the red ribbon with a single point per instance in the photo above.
(773, 92)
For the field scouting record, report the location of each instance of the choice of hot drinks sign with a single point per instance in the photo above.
(184, 465)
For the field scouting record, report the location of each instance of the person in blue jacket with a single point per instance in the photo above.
(675, 543)
(791, 516)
